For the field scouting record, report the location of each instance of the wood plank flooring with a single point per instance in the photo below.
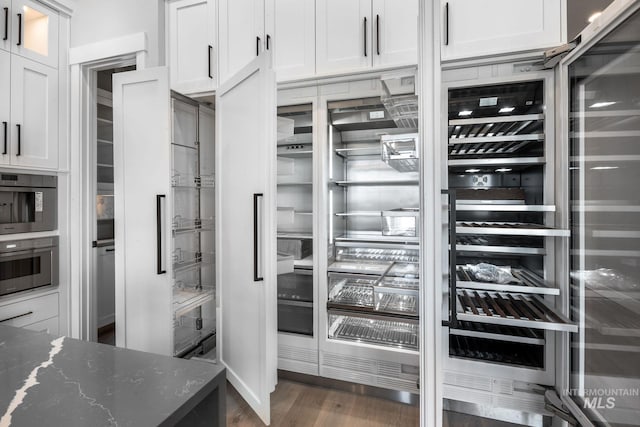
(303, 405)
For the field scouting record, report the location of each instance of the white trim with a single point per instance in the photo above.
(133, 44)
(429, 82)
(62, 6)
(85, 60)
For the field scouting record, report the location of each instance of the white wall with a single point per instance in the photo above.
(97, 20)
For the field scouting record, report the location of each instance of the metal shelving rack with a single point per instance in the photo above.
(193, 265)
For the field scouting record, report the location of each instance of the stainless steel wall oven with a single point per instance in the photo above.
(28, 264)
(27, 203)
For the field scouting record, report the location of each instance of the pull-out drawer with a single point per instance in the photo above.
(512, 309)
(49, 326)
(30, 311)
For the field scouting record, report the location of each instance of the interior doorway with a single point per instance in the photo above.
(103, 266)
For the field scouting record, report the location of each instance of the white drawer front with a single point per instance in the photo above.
(29, 311)
(49, 326)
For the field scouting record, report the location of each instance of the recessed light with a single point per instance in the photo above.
(503, 170)
(506, 109)
(465, 113)
(604, 168)
(472, 170)
(594, 16)
(602, 104)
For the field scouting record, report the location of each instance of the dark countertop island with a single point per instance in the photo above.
(58, 381)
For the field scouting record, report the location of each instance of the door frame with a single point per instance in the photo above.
(85, 61)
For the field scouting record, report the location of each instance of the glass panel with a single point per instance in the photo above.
(36, 31)
(19, 268)
(605, 216)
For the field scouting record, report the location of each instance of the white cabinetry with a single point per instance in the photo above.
(291, 26)
(34, 114)
(106, 286)
(242, 37)
(29, 82)
(38, 313)
(476, 28)
(192, 46)
(357, 35)
(34, 31)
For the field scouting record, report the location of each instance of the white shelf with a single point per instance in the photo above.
(185, 300)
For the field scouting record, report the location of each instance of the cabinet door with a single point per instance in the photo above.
(344, 35)
(246, 227)
(192, 48)
(106, 285)
(395, 32)
(142, 137)
(35, 32)
(5, 107)
(5, 24)
(34, 114)
(241, 34)
(473, 28)
(291, 25)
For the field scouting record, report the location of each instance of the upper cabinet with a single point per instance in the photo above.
(343, 35)
(476, 28)
(291, 28)
(192, 46)
(30, 29)
(356, 35)
(241, 34)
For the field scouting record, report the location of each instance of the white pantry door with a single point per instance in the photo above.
(246, 224)
(142, 185)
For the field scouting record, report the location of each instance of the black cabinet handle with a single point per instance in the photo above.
(109, 250)
(19, 140)
(6, 24)
(378, 34)
(19, 29)
(28, 313)
(446, 24)
(210, 49)
(257, 46)
(256, 278)
(365, 36)
(4, 125)
(268, 41)
(159, 198)
(453, 294)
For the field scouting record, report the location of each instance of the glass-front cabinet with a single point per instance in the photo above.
(31, 31)
(604, 170)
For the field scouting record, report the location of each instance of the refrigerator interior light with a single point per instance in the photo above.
(603, 168)
(465, 113)
(602, 104)
(503, 170)
(506, 109)
(472, 170)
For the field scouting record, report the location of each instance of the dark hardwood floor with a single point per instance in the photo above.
(303, 405)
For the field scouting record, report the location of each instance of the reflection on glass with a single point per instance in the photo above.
(605, 249)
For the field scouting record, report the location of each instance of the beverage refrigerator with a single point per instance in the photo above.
(541, 223)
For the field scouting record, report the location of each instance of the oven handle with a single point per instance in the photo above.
(8, 253)
(29, 313)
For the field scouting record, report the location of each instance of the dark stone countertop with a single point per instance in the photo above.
(58, 381)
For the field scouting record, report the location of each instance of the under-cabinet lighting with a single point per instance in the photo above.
(465, 113)
(503, 170)
(594, 16)
(472, 170)
(603, 168)
(602, 104)
(506, 109)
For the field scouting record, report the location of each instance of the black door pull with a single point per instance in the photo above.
(19, 29)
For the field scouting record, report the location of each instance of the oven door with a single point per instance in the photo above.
(27, 209)
(24, 270)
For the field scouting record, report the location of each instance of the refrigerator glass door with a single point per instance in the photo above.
(604, 163)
